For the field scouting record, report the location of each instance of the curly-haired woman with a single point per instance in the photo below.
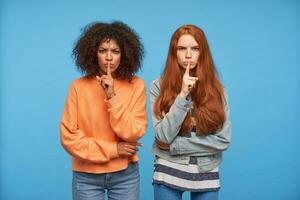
(190, 115)
(105, 113)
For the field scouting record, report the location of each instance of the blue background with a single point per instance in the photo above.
(256, 47)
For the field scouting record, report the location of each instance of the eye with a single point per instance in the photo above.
(195, 48)
(116, 51)
(101, 50)
(181, 48)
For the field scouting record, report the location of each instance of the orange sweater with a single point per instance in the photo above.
(91, 126)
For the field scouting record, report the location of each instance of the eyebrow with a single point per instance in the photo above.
(116, 48)
(185, 46)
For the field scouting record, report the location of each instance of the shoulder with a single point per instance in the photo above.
(81, 82)
(137, 81)
(136, 84)
(154, 86)
(225, 96)
(225, 93)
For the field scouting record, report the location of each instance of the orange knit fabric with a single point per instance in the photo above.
(91, 126)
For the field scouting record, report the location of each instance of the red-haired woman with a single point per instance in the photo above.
(190, 116)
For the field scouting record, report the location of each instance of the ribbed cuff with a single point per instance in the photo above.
(182, 103)
(113, 102)
(114, 150)
(174, 147)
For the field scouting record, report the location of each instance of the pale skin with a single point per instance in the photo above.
(187, 57)
(109, 57)
(188, 82)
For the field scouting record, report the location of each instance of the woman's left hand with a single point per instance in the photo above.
(107, 83)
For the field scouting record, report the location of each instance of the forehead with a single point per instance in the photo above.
(187, 40)
(109, 43)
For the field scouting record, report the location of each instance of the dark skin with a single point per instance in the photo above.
(107, 84)
(128, 148)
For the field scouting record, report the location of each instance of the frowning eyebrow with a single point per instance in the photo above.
(115, 49)
(181, 46)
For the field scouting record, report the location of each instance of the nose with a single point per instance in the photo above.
(188, 54)
(108, 56)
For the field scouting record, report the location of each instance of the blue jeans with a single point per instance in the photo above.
(118, 185)
(162, 192)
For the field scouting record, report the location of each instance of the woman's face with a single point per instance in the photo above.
(109, 55)
(187, 51)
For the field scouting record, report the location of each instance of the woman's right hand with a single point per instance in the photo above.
(128, 148)
(107, 83)
(188, 82)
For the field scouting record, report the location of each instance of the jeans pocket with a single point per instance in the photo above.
(83, 181)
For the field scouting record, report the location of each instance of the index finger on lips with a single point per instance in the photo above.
(187, 69)
(108, 71)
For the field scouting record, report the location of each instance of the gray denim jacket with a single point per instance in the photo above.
(206, 149)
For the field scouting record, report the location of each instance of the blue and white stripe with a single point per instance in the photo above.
(185, 177)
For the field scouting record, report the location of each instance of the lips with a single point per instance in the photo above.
(108, 64)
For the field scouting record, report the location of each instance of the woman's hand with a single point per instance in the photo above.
(161, 145)
(188, 82)
(107, 83)
(128, 148)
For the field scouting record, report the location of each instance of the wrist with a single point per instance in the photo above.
(182, 94)
(110, 93)
(109, 96)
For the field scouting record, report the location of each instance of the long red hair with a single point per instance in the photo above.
(208, 94)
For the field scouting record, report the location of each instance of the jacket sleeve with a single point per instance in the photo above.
(129, 122)
(75, 141)
(204, 144)
(167, 128)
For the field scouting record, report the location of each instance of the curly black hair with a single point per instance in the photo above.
(94, 34)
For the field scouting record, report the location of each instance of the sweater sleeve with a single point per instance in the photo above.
(129, 122)
(167, 128)
(75, 141)
(204, 144)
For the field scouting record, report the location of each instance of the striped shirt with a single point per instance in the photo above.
(185, 177)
